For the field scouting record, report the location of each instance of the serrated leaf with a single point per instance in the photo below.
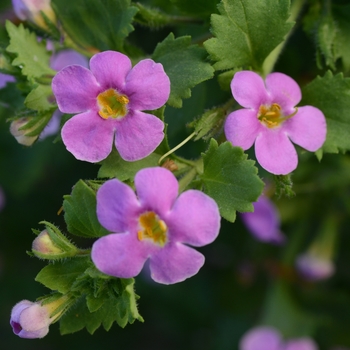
(102, 24)
(32, 56)
(61, 275)
(80, 212)
(331, 94)
(115, 166)
(230, 179)
(38, 98)
(198, 8)
(185, 64)
(246, 31)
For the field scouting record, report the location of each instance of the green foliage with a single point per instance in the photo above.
(80, 212)
(151, 17)
(31, 56)
(246, 31)
(38, 98)
(230, 179)
(102, 24)
(185, 64)
(200, 8)
(331, 94)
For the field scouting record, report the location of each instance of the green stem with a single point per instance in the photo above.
(270, 61)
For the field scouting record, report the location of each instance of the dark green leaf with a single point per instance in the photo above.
(200, 8)
(230, 179)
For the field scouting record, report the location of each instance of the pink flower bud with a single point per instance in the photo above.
(44, 244)
(20, 134)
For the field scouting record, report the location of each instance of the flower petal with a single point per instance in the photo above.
(174, 263)
(300, 344)
(284, 91)
(66, 58)
(120, 255)
(138, 135)
(75, 89)
(275, 152)
(307, 128)
(157, 189)
(147, 86)
(249, 90)
(242, 127)
(88, 137)
(110, 69)
(261, 338)
(194, 219)
(117, 206)
(314, 268)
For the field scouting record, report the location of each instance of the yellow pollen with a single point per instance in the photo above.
(272, 116)
(152, 228)
(112, 104)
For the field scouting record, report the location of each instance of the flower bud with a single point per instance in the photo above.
(44, 244)
(21, 134)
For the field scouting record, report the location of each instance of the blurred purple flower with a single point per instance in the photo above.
(109, 100)
(261, 338)
(300, 344)
(6, 78)
(314, 268)
(2, 199)
(271, 120)
(155, 224)
(264, 222)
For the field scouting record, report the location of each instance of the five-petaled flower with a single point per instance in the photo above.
(109, 99)
(271, 120)
(154, 225)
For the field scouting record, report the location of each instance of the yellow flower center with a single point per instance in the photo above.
(152, 228)
(112, 104)
(272, 116)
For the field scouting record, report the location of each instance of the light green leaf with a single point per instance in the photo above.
(32, 56)
(38, 98)
(331, 94)
(185, 64)
(246, 31)
(80, 212)
(230, 179)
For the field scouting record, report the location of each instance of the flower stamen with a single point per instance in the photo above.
(112, 104)
(152, 228)
(272, 116)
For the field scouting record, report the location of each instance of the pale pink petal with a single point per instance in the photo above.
(307, 128)
(120, 254)
(117, 206)
(275, 152)
(157, 189)
(249, 90)
(110, 69)
(138, 135)
(314, 268)
(75, 89)
(194, 219)
(174, 263)
(147, 86)
(88, 137)
(284, 91)
(242, 127)
(300, 344)
(66, 58)
(261, 338)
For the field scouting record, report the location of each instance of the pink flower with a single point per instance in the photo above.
(6, 78)
(30, 320)
(313, 267)
(271, 120)
(109, 99)
(261, 338)
(264, 222)
(300, 344)
(154, 225)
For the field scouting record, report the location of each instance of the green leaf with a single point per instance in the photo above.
(230, 179)
(32, 56)
(185, 64)
(38, 98)
(151, 17)
(115, 166)
(331, 94)
(246, 31)
(80, 212)
(198, 8)
(102, 24)
(61, 275)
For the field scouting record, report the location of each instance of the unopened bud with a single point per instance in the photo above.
(44, 244)
(21, 134)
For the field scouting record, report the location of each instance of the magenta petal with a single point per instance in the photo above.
(300, 344)
(194, 219)
(242, 127)
(307, 128)
(157, 189)
(110, 69)
(120, 255)
(284, 91)
(261, 338)
(275, 152)
(147, 86)
(75, 89)
(88, 137)
(66, 58)
(174, 263)
(138, 135)
(249, 90)
(117, 206)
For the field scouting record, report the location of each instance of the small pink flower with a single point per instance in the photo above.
(109, 99)
(261, 338)
(30, 320)
(313, 267)
(300, 344)
(154, 225)
(271, 120)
